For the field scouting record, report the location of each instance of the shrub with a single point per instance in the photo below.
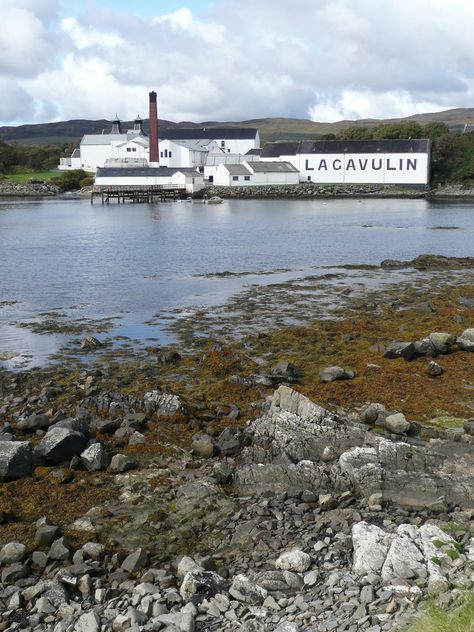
(70, 180)
(88, 181)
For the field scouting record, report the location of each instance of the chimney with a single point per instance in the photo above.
(154, 160)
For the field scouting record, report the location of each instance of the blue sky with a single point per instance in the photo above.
(226, 60)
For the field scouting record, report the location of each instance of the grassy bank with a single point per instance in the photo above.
(438, 620)
(21, 178)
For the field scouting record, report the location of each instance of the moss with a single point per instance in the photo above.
(438, 619)
(436, 560)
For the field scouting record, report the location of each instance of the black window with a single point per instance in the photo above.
(129, 149)
(309, 178)
(235, 177)
(170, 154)
(246, 177)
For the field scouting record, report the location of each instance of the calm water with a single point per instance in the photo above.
(134, 261)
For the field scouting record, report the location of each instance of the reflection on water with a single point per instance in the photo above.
(135, 261)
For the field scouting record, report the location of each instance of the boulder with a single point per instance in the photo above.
(135, 561)
(434, 369)
(247, 591)
(163, 404)
(469, 427)
(442, 342)
(397, 423)
(284, 370)
(203, 446)
(88, 622)
(332, 373)
(89, 343)
(95, 457)
(16, 459)
(176, 622)
(12, 552)
(34, 422)
(229, 442)
(61, 444)
(294, 560)
(371, 546)
(168, 357)
(198, 585)
(373, 413)
(397, 349)
(466, 340)
(60, 550)
(121, 463)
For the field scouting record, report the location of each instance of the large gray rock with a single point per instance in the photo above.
(179, 621)
(121, 463)
(12, 552)
(405, 350)
(371, 546)
(294, 560)
(198, 585)
(16, 459)
(245, 590)
(88, 622)
(397, 423)
(333, 373)
(34, 422)
(442, 342)
(61, 444)
(95, 457)
(466, 340)
(163, 404)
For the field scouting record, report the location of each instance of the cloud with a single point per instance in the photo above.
(322, 59)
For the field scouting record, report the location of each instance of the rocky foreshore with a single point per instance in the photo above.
(313, 190)
(300, 520)
(39, 188)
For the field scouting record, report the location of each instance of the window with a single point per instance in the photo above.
(228, 151)
(235, 177)
(166, 153)
(211, 179)
(161, 154)
(309, 178)
(222, 143)
(169, 154)
(134, 149)
(129, 149)
(246, 177)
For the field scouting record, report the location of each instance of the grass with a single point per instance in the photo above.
(20, 178)
(437, 620)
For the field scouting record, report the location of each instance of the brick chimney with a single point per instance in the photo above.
(154, 160)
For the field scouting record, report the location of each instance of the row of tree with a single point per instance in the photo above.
(33, 158)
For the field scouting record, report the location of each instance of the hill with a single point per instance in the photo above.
(270, 128)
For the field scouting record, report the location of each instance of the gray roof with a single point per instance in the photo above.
(272, 167)
(106, 139)
(222, 133)
(274, 150)
(76, 153)
(237, 170)
(136, 172)
(393, 146)
(254, 152)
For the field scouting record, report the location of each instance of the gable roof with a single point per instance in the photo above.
(393, 146)
(272, 167)
(138, 172)
(274, 150)
(237, 170)
(211, 133)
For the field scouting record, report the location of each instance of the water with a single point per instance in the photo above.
(132, 262)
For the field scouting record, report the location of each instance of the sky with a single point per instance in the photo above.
(224, 60)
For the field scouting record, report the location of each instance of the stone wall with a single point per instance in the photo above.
(8, 188)
(313, 190)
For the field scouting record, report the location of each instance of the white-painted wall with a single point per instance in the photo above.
(190, 182)
(223, 178)
(380, 168)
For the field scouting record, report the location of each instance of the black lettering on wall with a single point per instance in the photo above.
(350, 165)
(412, 163)
(323, 165)
(363, 164)
(337, 165)
(389, 168)
(308, 168)
(380, 165)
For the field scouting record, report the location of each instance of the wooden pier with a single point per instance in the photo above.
(147, 193)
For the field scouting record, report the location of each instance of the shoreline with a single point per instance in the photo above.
(233, 451)
(290, 192)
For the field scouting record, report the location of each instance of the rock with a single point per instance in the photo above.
(61, 444)
(135, 561)
(371, 546)
(121, 463)
(163, 404)
(294, 560)
(243, 589)
(16, 459)
(442, 342)
(327, 502)
(466, 340)
(469, 427)
(333, 373)
(329, 454)
(137, 438)
(203, 446)
(34, 422)
(198, 585)
(185, 565)
(284, 370)
(104, 426)
(286, 626)
(13, 573)
(60, 550)
(373, 413)
(434, 369)
(396, 349)
(168, 357)
(95, 457)
(88, 622)
(12, 552)
(397, 423)
(90, 343)
(93, 551)
(46, 534)
(229, 442)
(177, 622)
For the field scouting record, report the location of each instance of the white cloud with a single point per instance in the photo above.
(325, 59)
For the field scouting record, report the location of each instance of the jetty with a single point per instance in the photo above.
(130, 193)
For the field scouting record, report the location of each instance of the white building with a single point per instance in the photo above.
(178, 147)
(255, 174)
(398, 161)
(189, 180)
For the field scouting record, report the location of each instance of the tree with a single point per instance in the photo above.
(436, 129)
(406, 129)
(356, 132)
